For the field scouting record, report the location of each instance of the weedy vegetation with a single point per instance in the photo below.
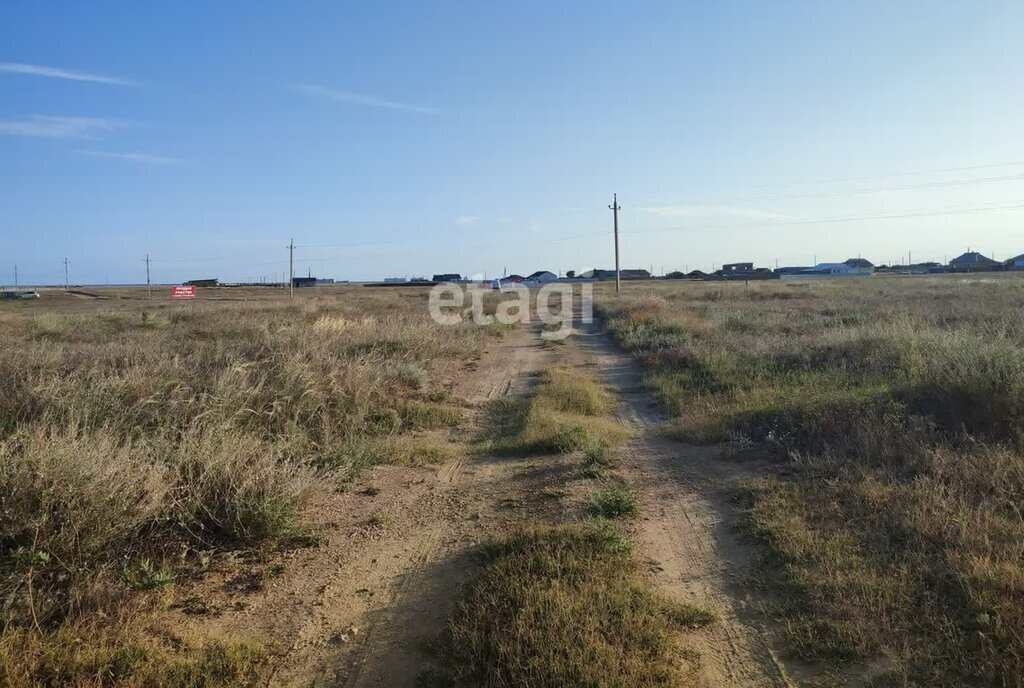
(134, 437)
(566, 412)
(899, 403)
(564, 607)
(615, 501)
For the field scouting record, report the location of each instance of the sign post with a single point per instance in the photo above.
(183, 293)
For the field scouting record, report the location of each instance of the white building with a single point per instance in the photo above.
(854, 267)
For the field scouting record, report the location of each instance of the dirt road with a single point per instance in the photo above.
(685, 529)
(361, 609)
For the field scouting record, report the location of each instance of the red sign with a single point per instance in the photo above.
(183, 292)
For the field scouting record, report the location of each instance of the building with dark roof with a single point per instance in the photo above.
(972, 261)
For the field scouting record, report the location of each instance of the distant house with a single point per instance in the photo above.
(854, 267)
(448, 277)
(541, 277)
(202, 283)
(1016, 263)
(972, 261)
(737, 269)
(861, 265)
(303, 282)
(791, 270)
(600, 274)
(744, 272)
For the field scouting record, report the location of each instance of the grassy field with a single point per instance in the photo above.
(897, 544)
(137, 438)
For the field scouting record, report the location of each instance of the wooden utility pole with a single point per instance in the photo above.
(614, 207)
(149, 287)
(15, 275)
(291, 269)
(65, 273)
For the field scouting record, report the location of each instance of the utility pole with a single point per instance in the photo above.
(614, 207)
(15, 276)
(291, 269)
(149, 287)
(65, 273)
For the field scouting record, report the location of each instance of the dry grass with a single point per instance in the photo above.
(134, 437)
(900, 403)
(93, 656)
(566, 412)
(564, 607)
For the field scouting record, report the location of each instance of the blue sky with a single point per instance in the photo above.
(411, 138)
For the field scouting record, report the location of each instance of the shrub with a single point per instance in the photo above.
(232, 488)
(615, 501)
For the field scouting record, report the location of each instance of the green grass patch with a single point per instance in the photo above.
(566, 413)
(615, 501)
(564, 607)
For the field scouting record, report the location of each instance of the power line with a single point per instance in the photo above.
(836, 180)
(862, 218)
(876, 189)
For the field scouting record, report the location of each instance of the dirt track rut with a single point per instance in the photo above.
(685, 529)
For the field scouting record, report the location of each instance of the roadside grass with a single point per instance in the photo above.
(134, 435)
(88, 655)
(564, 607)
(900, 406)
(615, 501)
(566, 412)
(347, 459)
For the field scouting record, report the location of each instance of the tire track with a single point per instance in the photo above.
(684, 532)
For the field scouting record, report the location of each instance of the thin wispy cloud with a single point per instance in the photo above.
(43, 126)
(141, 158)
(467, 220)
(711, 212)
(57, 73)
(362, 99)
